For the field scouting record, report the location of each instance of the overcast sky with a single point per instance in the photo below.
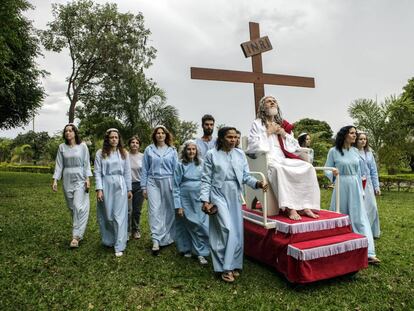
(354, 49)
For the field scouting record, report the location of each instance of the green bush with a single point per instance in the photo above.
(400, 182)
(26, 168)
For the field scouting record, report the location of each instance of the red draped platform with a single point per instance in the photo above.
(307, 250)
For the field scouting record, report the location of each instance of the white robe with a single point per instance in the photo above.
(293, 181)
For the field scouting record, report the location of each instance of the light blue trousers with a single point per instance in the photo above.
(78, 203)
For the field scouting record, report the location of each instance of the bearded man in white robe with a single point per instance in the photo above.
(293, 180)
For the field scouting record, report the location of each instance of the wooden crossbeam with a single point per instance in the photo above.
(256, 76)
(250, 77)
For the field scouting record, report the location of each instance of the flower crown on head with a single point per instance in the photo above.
(160, 126)
(112, 129)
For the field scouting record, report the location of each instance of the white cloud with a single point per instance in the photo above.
(353, 49)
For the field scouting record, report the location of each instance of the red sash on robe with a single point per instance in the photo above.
(288, 129)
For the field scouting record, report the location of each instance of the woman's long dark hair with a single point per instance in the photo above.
(78, 140)
(221, 134)
(302, 139)
(340, 138)
(106, 149)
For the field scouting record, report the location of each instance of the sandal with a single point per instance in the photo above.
(74, 243)
(236, 273)
(227, 277)
(374, 261)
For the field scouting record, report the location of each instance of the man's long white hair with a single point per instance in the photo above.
(262, 115)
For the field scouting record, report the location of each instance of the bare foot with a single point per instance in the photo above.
(293, 214)
(309, 213)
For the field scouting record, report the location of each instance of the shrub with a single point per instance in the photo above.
(26, 168)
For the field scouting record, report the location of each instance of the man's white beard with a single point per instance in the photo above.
(272, 111)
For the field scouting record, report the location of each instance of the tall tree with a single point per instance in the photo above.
(390, 126)
(371, 117)
(36, 141)
(184, 131)
(408, 90)
(21, 93)
(144, 105)
(408, 95)
(22, 152)
(102, 42)
(313, 126)
(134, 104)
(398, 149)
(5, 149)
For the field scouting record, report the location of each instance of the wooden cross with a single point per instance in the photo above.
(257, 77)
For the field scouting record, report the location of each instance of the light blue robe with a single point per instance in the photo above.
(351, 192)
(372, 185)
(157, 179)
(73, 164)
(221, 184)
(113, 177)
(192, 229)
(204, 146)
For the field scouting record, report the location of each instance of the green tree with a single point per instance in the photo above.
(390, 127)
(5, 149)
(313, 127)
(102, 42)
(37, 142)
(398, 149)
(371, 118)
(134, 105)
(22, 152)
(408, 94)
(21, 93)
(51, 147)
(185, 130)
(408, 90)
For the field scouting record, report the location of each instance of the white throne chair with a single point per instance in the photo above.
(258, 168)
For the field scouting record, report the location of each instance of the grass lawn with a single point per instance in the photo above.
(38, 271)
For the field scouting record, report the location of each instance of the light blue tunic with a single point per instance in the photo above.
(204, 146)
(157, 179)
(351, 193)
(221, 184)
(73, 164)
(372, 185)
(113, 177)
(192, 229)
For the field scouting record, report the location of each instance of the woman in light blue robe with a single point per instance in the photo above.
(191, 223)
(113, 187)
(372, 188)
(346, 160)
(225, 170)
(160, 160)
(72, 162)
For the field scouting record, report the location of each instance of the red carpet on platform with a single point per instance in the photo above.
(307, 250)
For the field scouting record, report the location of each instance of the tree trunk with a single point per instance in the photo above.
(412, 163)
(72, 108)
